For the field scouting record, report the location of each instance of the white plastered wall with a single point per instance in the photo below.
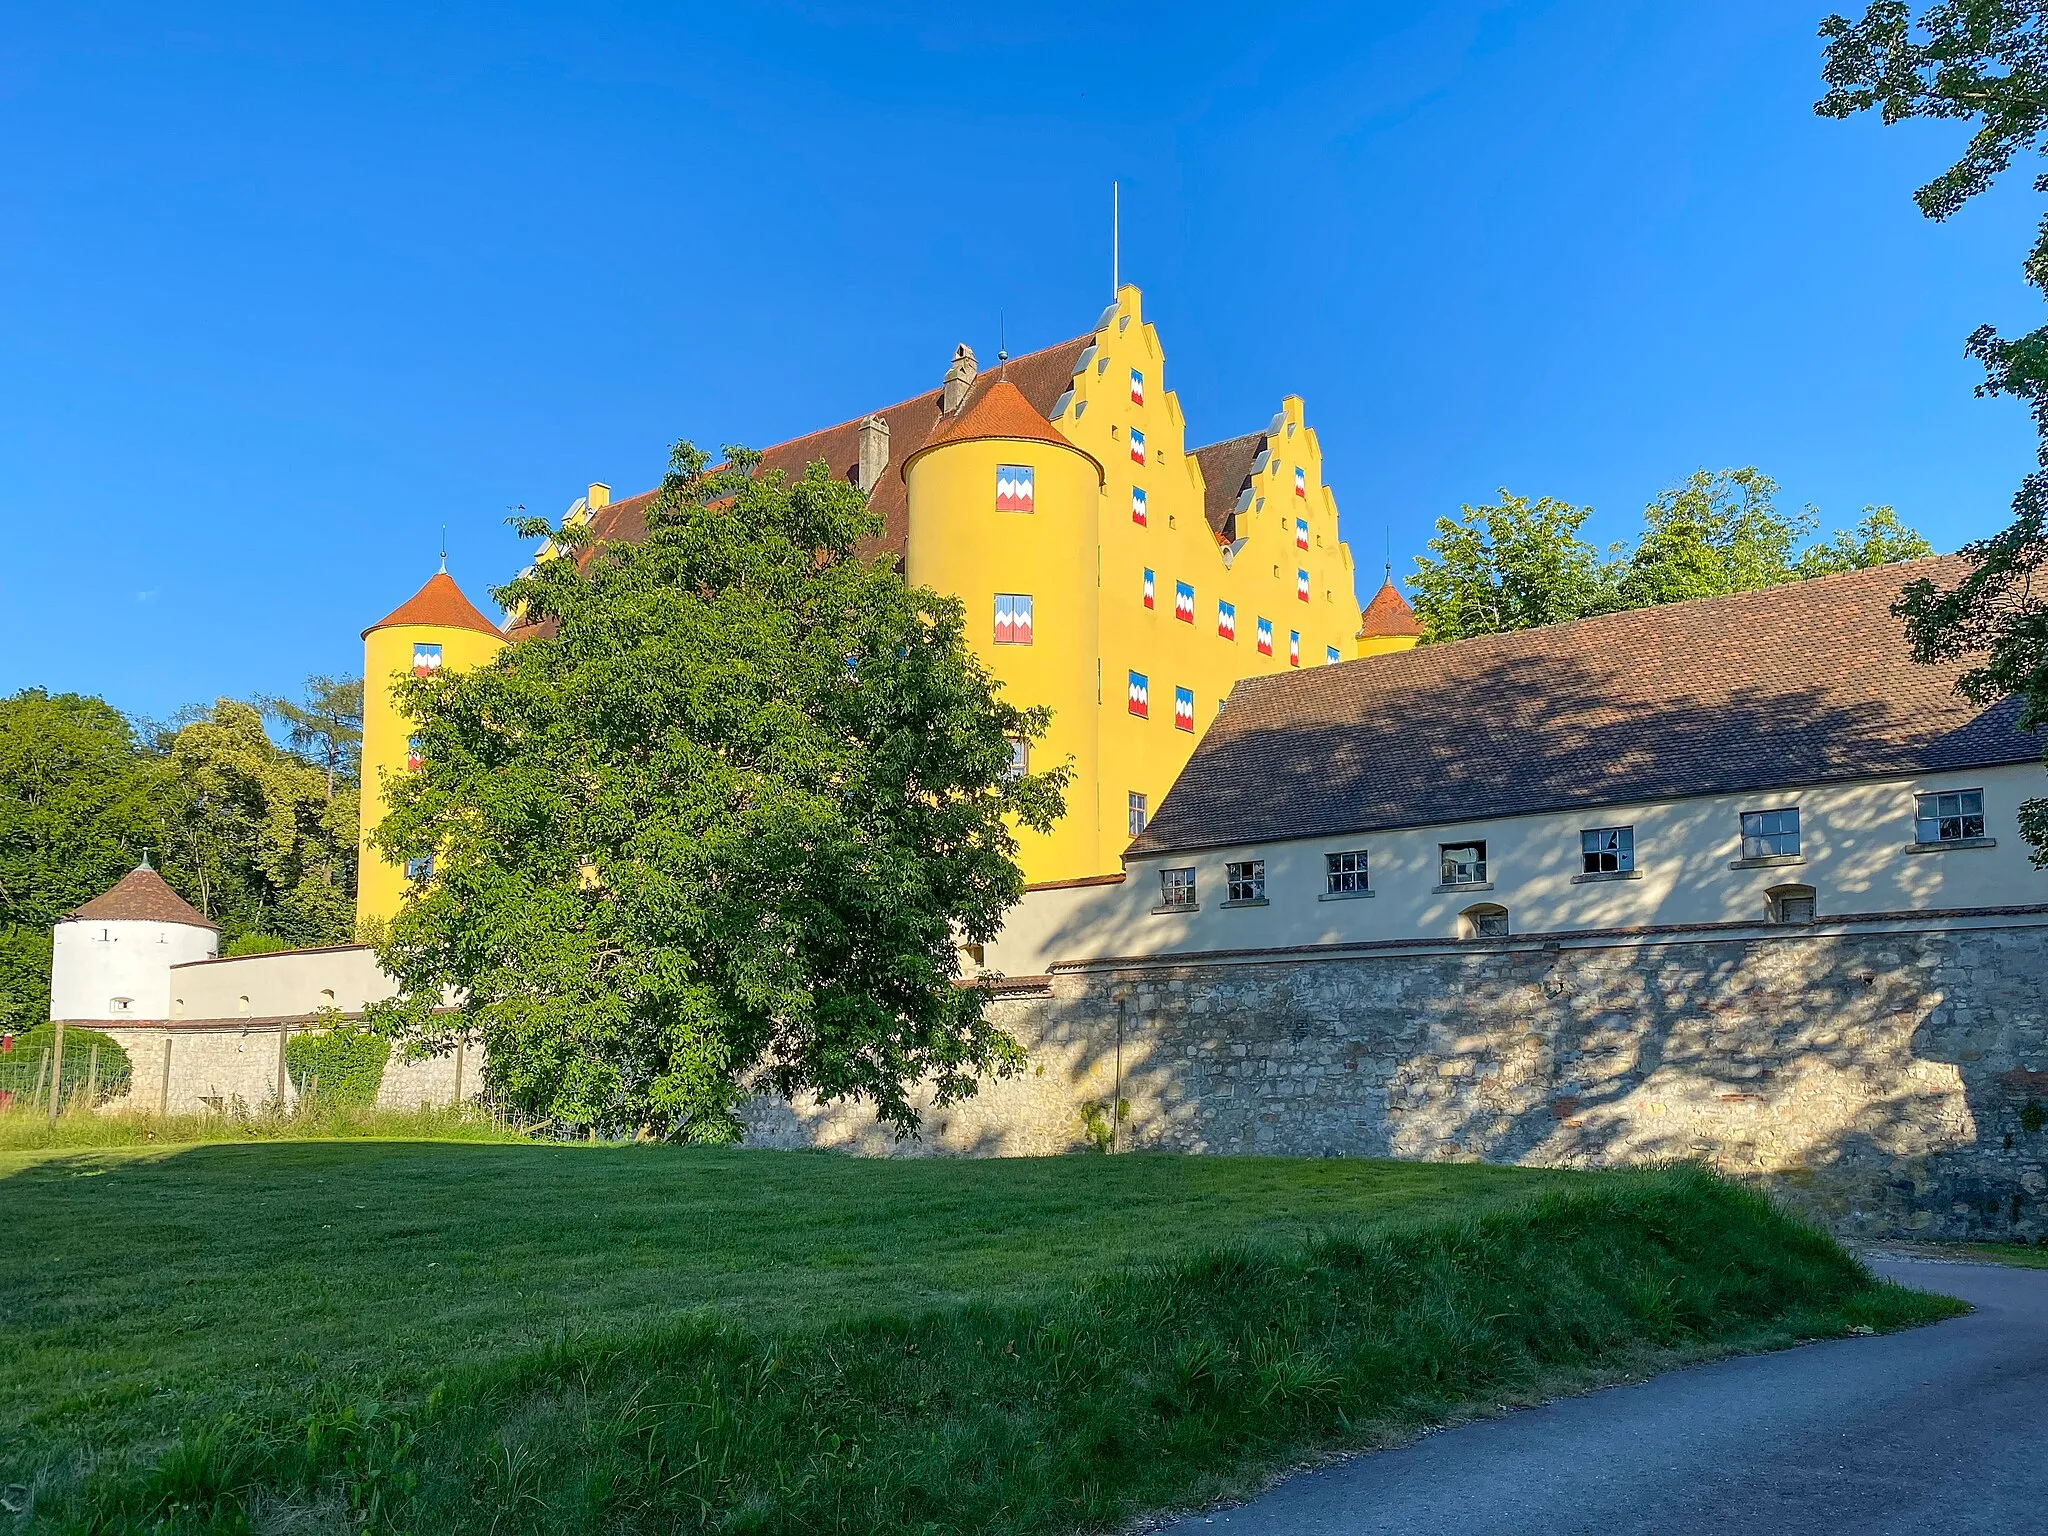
(285, 985)
(120, 968)
(1854, 835)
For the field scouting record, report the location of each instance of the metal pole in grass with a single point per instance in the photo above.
(57, 1074)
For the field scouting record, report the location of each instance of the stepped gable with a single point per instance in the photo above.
(1040, 377)
(1388, 614)
(1799, 684)
(441, 603)
(1226, 468)
(141, 896)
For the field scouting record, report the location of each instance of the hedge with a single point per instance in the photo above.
(90, 1057)
(342, 1065)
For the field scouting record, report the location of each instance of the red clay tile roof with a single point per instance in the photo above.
(1388, 614)
(1226, 470)
(439, 602)
(1799, 684)
(999, 411)
(1041, 376)
(142, 896)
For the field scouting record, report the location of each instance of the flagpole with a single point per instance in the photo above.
(1115, 234)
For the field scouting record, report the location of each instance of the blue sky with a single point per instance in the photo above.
(285, 289)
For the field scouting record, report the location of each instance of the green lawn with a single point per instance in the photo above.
(176, 1307)
(2018, 1255)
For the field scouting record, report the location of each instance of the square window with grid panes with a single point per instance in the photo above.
(1770, 834)
(1176, 887)
(1138, 807)
(1608, 850)
(1247, 880)
(1020, 757)
(1345, 872)
(1013, 618)
(1462, 863)
(1949, 817)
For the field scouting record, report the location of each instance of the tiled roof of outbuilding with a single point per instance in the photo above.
(141, 896)
(1799, 684)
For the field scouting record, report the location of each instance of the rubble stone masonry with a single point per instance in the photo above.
(1876, 1073)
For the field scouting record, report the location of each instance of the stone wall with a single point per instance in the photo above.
(1876, 1073)
(225, 1066)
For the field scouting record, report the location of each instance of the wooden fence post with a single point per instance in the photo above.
(163, 1104)
(459, 1045)
(92, 1078)
(282, 1031)
(57, 1075)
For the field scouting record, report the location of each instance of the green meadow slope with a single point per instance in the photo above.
(430, 1337)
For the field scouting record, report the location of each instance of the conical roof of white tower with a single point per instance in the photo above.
(142, 896)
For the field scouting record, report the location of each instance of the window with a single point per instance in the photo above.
(120, 1004)
(1463, 863)
(1301, 533)
(1226, 620)
(1265, 637)
(1301, 585)
(1770, 834)
(1301, 486)
(1177, 888)
(1138, 807)
(1485, 921)
(421, 868)
(1015, 485)
(1137, 446)
(1184, 709)
(1138, 505)
(1013, 618)
(1020, 757)
(1137, 387)
(412, 754)
(1294, 647)
(1948, 818)
(1149, 586)
(1330, 656)
(1345, 872)
(1791, 904)
(1140, 696)
(426, 660)
(1608, 850)
(1184, 602)
(1246, 881)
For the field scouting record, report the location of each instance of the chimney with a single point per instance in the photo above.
(600, 495)
(874, 453)
(959, 378)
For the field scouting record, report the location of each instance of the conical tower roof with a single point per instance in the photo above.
(142, 896)
(1000, 411)
(1388, 614)
(439, 603)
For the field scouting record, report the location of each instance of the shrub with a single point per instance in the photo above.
(90, 1059)
(346, 1062)
(255, 944)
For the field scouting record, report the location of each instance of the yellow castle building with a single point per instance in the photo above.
(1108, 571)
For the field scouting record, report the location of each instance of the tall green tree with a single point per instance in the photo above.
(1511, 564)
(1720, 532)
(724, 829)
(1879, 539)
(325, 727)
(78, 804)
(257, 832)
(1984, 63)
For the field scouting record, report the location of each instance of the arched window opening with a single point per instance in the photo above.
(1484, 921)
(1791, 903)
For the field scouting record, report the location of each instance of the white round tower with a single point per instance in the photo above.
(112, 958)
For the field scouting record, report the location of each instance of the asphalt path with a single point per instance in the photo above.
(1937, 1429)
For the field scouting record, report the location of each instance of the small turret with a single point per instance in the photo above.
(436, 628)
(1388, 623)
(112, 957)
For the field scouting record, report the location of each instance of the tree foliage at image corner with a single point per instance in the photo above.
(719, 826)
(1985, 63)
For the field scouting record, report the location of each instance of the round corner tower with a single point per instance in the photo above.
(111, 959)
